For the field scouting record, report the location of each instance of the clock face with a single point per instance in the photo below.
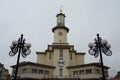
(61, 62)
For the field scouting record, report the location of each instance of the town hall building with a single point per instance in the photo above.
(60, 60)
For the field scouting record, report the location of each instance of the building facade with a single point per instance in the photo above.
(4, 74)
(117, 76)
(60, 60)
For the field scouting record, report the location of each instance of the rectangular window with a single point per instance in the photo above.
(75, 72)
(40, 71)
(60, 72)
(61, 53)
(106, 73)
(60, 33)
(13, 72)
(81, 72)
(98, 71)
(49, 55)
(71, 56)
(34, 70)
(24, 70)
(88, 71)
(46, 72)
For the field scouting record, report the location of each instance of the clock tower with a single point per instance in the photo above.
(60, 40)
(60, 30)
(60, 54)
(59, 60)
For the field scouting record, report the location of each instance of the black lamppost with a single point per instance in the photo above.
(22, 48)
(97, 47)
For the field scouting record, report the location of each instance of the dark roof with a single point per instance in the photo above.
(32, 63)
(60, 27)
(1, 65)
(117, 76)
(60, 14)
(86, 65)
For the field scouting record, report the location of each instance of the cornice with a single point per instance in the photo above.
(60, 27)
(34, 64)
(87, 65)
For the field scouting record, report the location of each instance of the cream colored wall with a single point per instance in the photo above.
(66, 59)
(72, 62)
(63, 38)
(49, 61)
(69, 75)
(76, 60)
(79, 59)
(66, 56)
(28, 70)
(88, 76)
(85, 76)
(41, 58)
(29, 73)
(55, 59)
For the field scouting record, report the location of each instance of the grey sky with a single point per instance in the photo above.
(36, 18)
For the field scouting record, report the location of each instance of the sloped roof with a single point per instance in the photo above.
(117, 76)
(32, 63)
(86, 65)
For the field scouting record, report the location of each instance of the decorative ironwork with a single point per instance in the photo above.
(19, 47)
(97, 47)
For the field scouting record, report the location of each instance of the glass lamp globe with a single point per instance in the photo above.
(15, 42)
(109, 53)
(94, 49)
(91, 52)
(28, 52)
(104, 42)
(90, 45)
(108, 46)
(96, 55)
(11, 46)
(28, 45)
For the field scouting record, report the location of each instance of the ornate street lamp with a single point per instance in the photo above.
(22, 48)
(97, 47)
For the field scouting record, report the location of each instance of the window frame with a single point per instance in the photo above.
(88, 71)
(61, 53)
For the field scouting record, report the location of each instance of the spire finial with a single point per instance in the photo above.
(61, 9)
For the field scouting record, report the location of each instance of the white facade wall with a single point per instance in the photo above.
(60, 38)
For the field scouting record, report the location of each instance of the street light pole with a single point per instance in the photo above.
(101, 59)
(17, 64)
(97, 48)
(22, 48)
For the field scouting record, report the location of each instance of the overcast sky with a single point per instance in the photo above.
(36, 18)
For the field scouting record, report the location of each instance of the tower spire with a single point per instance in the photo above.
(60, 30)
(60, 18)
(61, 9)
